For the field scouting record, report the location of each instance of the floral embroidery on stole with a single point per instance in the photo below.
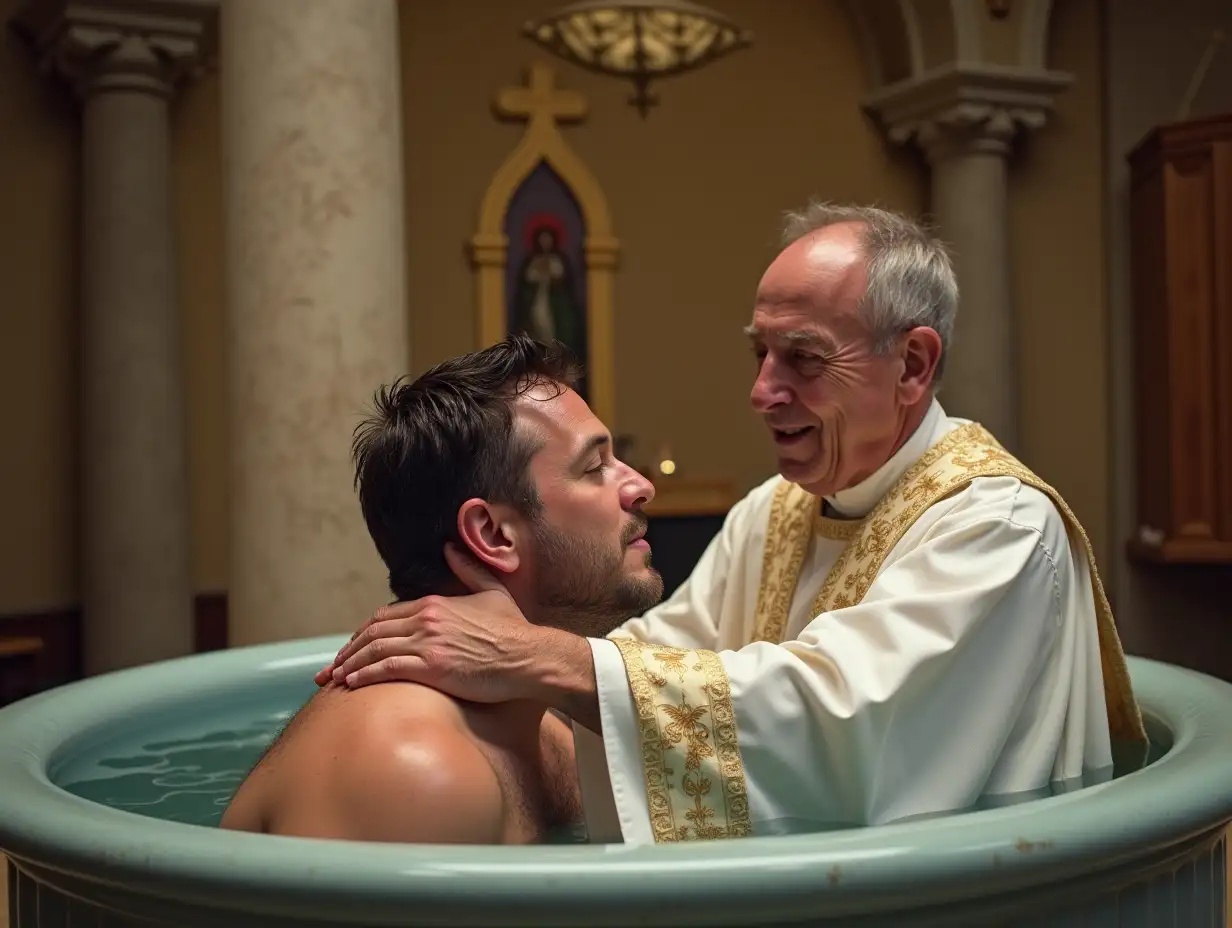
(949, 465)
(695, 781)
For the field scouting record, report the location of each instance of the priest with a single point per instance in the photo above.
(905, 620)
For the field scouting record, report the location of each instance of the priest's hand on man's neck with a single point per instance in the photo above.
(477, 647)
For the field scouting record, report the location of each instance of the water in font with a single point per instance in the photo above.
(190, 775)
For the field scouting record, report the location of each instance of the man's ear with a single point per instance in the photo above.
(921, 353)
(491, 534)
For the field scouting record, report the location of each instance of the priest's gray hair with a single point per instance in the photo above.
(911, 279)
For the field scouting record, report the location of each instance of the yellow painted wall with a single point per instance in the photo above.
(1057, 229)
(38, 349)
(696, 191)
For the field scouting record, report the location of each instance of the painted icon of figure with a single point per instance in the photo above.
(545, 303)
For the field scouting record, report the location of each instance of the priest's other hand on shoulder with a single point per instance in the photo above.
(905, 620)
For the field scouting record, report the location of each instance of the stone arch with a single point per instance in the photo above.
(908, 40)
(968, 44)
(891, 40)
(1035, 34)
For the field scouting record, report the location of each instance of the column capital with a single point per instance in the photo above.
(965, 108)
(148, 46)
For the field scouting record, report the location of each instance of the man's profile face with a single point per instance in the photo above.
(832, 405)
(589, 568)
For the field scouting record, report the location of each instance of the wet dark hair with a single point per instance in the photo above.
(442, 439)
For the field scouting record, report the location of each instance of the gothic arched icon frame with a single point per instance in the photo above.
(543, 107)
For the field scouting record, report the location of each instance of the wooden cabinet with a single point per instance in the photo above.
(1181, 218)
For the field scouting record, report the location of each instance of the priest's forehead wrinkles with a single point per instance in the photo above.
(779, 296)
(795, 336)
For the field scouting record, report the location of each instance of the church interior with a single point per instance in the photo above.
(175, 475)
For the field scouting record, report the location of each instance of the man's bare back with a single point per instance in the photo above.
(401, 762)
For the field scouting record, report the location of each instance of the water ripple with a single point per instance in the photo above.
(189, 780)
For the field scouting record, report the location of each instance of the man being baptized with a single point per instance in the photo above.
(495, 453)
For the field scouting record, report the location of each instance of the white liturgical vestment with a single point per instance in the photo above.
(970, 666)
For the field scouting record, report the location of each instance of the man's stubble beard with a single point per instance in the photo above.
(583, 586)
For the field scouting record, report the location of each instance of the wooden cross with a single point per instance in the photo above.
(539, 101)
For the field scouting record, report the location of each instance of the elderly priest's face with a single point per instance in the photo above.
(837, 397)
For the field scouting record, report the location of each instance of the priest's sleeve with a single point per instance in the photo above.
(903, 703)
(689, 618)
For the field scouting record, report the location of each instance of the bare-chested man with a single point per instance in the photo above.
(496, 454)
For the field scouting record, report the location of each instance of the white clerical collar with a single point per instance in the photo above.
(858, 501)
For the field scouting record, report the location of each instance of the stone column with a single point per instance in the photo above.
(967, 152)
(124, 62)
(965, 121)
(315, 300)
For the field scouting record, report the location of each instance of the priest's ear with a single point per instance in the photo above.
(921, 354)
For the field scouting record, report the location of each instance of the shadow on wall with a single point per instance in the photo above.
(1183, 615)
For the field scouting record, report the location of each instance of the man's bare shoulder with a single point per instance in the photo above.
(394, 762)
(382, 704)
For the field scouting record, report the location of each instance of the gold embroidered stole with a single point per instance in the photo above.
(953, 462)
(695, 782)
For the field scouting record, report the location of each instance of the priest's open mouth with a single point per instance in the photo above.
(789, 436)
